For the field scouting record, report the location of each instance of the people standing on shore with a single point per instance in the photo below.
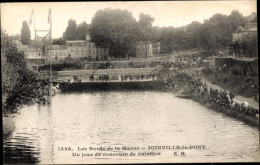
(223, 99)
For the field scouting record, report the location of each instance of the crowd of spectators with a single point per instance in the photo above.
(221, 98)
(249, 69)
(180, 62)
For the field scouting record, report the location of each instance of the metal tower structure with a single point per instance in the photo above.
(46, 38)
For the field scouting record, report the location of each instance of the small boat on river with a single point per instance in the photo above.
(184, 96)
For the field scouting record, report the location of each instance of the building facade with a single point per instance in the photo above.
(147, 48)
(241, 36)
(79, 49)
(249, 30)
(144, 49)
(20, 46)
(156, 48)
(31, 54)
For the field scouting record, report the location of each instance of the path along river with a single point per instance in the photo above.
(127, 118)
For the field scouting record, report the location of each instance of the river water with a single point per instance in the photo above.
(135, 119)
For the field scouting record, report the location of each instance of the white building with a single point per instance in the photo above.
(79, 49)
(144, 49)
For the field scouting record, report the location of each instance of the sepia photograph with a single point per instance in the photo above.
(119, 82)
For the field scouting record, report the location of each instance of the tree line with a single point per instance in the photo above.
(118, 30)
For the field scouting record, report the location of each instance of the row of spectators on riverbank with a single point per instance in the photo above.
(226, 74)
(217, 98)
(239, 78)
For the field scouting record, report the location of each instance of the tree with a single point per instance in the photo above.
(19, 84)
(214, 33)
(15, 37)
(251, 46)
(235, 20)
(113, 29)
(82, 30)
(71, 31)
(167, 39)
(193, 31)
(25, 33)
(145, 29)
(217, 31)
(58, 41)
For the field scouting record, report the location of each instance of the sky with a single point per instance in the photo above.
(166, 13)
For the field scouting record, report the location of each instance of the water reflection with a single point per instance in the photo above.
(126, 118)
(20, 154)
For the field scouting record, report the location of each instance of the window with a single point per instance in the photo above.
(89, 51)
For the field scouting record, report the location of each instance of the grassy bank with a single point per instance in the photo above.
(239, 85)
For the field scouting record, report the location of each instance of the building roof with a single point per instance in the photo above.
(75, 41)
(144, 42)
(254, 29)
(32, 49)
(251, 59)
(244, 59)
(249, 27)
(20, 45)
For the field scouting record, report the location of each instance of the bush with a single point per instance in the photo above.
(19, 84)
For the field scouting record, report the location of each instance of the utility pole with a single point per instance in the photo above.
(42, 39)
(36, 62)
(50, 73)
(35, 39)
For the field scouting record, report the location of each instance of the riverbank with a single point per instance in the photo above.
(202, 94)
(242, 116)
(239, 85)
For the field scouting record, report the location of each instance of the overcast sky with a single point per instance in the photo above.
(166, 13)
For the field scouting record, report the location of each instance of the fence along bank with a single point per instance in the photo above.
(134, 78)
